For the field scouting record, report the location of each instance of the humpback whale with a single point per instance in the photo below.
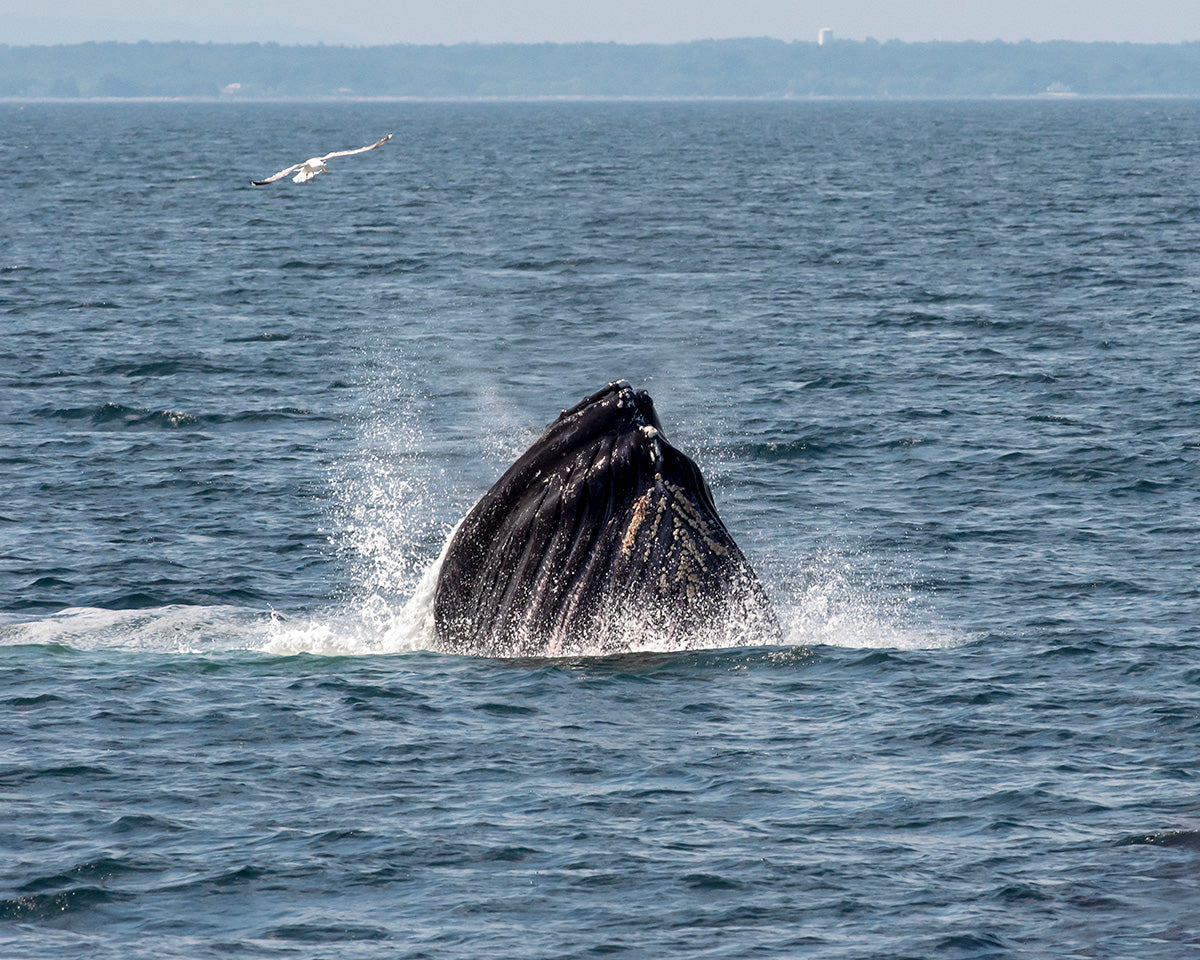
(601, 538)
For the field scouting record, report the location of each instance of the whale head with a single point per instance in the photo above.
(602, 537)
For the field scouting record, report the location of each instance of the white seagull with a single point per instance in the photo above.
(310, 168)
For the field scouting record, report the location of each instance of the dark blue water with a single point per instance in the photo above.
(938, 361)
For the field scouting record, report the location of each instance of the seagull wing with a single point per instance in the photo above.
(348, 153)
(282, 173)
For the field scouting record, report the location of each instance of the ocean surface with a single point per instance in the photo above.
(939, 361)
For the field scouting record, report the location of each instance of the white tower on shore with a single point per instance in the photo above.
(824, 36)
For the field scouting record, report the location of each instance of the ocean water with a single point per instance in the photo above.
(938, 361)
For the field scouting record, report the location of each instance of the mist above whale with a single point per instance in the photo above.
(601, 538)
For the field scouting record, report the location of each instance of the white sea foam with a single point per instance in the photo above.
(171, 629)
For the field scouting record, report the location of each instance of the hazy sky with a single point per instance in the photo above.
(625, 21)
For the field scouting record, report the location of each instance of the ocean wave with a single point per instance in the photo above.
(153, 367)
(113, 415)
(1186, 839)
(392, 265)
(331, 931)
(800, 448)
(47, 906)
(269, 337)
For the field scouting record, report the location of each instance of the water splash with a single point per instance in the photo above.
(388, 522)
(841, 599)
(391, 514)
(384, 510)
(834, 599)
(373, 625)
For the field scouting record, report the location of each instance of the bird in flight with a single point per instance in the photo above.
(310, 168)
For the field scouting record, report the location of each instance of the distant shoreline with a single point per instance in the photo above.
(748, 69)
(976, 98)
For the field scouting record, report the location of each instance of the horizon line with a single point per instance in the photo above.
(832, 42)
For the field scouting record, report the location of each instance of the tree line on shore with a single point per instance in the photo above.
(712, 68)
